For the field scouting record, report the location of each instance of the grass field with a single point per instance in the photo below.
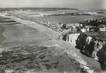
(19, 34)
(23, 49)
(67, 18)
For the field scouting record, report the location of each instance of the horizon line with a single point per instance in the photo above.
(49, 8)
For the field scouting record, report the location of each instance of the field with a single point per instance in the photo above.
(27, 49)
(66, 19)
(59, 16)
(19, 34)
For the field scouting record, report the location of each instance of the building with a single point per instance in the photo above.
(102, 27)
(72, 38)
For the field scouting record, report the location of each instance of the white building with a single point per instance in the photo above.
(72, 38)
(83, 30)
(102, 28)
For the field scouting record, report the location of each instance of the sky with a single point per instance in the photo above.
(80, 4)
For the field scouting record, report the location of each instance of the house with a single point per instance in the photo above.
(102, 27)
(83, 30)
(72, 38)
